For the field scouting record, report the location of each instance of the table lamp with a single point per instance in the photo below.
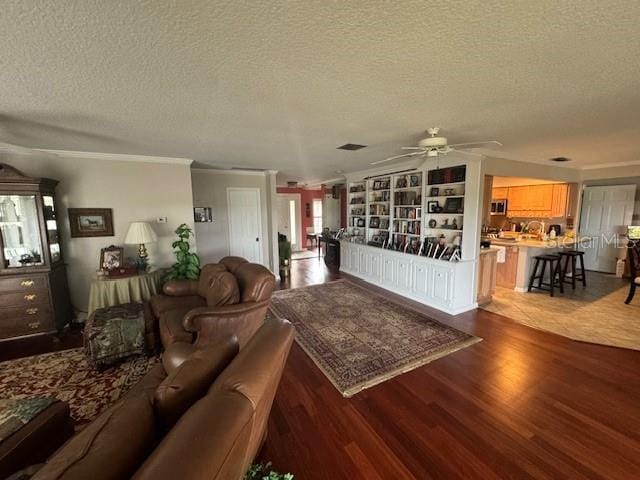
(140, 233)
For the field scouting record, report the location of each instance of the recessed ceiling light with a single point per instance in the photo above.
(560, 159)
(351, 147)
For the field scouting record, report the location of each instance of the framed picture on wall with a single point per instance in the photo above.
(91, 222)
(202, 214)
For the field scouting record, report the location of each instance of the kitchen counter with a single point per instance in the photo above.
(484, 251)
(516, 271)
(559, 242)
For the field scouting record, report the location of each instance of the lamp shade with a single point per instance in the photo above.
(140, 232)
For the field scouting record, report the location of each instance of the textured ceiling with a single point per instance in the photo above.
(280, 84)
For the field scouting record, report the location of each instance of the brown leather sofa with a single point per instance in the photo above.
(201, 414)
(230, 298)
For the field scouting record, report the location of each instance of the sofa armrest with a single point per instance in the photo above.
(211, 324)
(180, 288)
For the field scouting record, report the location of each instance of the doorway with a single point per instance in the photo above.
(245, 223)
(289, 218)
(606, 210)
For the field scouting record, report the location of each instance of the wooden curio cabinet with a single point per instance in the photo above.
(34, 294)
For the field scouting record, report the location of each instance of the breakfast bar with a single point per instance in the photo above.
(515, 271)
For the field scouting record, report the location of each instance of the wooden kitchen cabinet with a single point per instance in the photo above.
(506, 273)
(499, 193)
(559, 205)
(539, 201)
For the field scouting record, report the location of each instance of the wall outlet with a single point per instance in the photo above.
(161, 219)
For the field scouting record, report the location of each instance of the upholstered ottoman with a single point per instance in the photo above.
(112, 334)
(31, 429)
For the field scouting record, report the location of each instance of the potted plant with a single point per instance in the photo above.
(187, 264)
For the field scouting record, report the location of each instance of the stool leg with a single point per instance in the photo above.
(540, 280)
(584, 275)
(565, 269)
(533, 275)
(559, 275)
(573, 272)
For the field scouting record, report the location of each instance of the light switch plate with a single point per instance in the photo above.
(161, 219)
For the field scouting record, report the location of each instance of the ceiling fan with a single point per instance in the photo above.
(433, 145)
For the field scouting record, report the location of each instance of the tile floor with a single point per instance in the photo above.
(594, 314)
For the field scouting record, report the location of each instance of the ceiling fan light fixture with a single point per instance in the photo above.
(352, 147)
(560, 159)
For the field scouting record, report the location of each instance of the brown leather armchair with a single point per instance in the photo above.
(229, 298)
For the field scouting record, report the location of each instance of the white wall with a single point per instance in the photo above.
(136, 191)
(210, 190)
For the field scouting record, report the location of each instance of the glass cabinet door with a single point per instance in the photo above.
(20, 229)
(52, 228)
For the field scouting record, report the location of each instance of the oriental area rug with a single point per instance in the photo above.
(67, 376)
(360, 339)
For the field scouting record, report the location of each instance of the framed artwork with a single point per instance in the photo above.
(202, 214)
(432, 206)
(111, 257)
(414, 180)
(435, 191)
(374, 222)
(91, 222)
(454, 205)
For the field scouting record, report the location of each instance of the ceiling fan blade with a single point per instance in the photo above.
(470, 145)
(397, 156)
(412, 148)
(464, 152)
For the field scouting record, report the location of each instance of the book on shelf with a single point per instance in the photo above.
(407, 212)
(378, 209)
(407, 226)
(407, 198)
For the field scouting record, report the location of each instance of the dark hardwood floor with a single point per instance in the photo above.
(70, 337)
(520, 404)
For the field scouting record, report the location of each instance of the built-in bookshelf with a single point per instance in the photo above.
(379, 210)
(357, 210)
(405, 213)
(406, 231)
(444, 213)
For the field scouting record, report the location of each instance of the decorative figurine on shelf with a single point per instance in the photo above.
(454, 225)
(433, 223)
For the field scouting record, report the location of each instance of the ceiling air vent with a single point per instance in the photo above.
(560, 159)
(292, 184)
(352, 147)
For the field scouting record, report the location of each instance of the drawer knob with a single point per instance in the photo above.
(31, 311)
(30, 297)
(27, 283)
(34, 325)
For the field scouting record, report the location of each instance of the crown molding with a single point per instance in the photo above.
(611, 165)
(219, 171)
(118, 157)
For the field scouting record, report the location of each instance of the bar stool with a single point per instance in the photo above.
(555, 274)
(571, 255)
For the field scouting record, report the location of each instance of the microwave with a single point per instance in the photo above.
(499, 207)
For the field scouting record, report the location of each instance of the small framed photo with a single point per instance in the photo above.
(414, 180)
(374, 222)
(111, 257)
(361, 223)
(376, 239)
(454, 205)
(435, 191)
(202, 214)
(433, 206)
(91, 222)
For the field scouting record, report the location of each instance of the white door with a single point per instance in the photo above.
(289, 218)
(245, 223)
(605, 213)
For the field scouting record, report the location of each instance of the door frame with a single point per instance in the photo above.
(260, 236)
(298, 199)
